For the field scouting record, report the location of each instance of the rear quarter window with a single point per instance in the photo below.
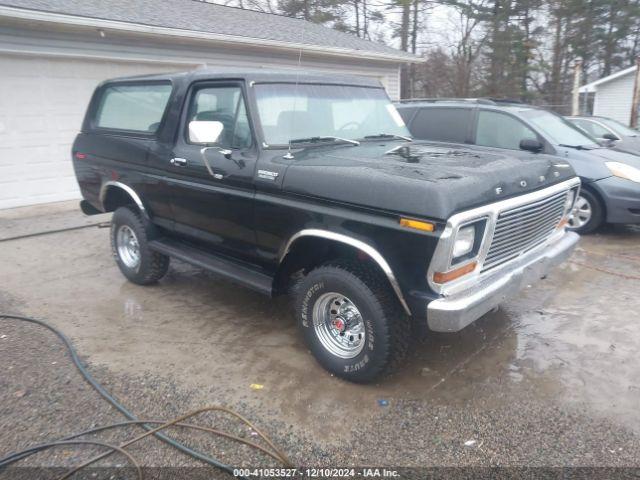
(132, 107)
(442, 124)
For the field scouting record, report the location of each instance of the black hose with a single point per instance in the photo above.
(107, 396)
(16, 456)
(49, 232)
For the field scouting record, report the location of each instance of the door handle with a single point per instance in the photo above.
(178, 162)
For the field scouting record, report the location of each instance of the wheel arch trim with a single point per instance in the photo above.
(594, 189)
(357, 244)
(128, 190)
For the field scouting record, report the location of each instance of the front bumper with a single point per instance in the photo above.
(453, 313)
(622, 199)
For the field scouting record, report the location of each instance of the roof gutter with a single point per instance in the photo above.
(98, 23)
(593, 86)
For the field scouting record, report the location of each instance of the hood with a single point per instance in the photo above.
(419, 178)
(590, 163)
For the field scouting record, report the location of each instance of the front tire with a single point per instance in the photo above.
(351, 321)
(130, 235)
(587, 214)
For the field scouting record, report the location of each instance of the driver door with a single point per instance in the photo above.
(212, 189)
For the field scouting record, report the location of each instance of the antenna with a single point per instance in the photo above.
(289, 155)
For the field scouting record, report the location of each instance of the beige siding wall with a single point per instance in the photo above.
(613, 99)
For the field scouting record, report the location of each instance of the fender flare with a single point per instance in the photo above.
(130, 191)
(359, 245)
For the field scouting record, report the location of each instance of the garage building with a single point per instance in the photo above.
(613, 95)
(54, 52)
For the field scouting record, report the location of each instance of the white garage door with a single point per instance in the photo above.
(42, 104)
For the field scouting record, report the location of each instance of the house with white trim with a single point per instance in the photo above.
(613, 95)
(54, 52)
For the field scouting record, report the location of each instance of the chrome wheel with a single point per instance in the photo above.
(581, 213)
(128, 247)
(339, 325)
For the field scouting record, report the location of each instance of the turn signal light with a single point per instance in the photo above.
(440, 277)
(417, 224)
(563, 222)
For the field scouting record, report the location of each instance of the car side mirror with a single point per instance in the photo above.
(205, 132)
(531, 145)
(610, 136)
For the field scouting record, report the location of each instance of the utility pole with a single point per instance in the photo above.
(575, 104)
(633, 122)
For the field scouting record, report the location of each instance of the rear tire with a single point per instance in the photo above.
(588, 213)
(351, 321)
(130, 235)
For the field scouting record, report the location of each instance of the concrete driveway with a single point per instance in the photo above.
(550, 379)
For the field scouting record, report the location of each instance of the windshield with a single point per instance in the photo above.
(289, 112)
(619, 127)
(557, 129)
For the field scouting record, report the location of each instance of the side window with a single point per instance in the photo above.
(137, 108)
(442, 124)
(225, 105)
(592, 128)
(499, 130)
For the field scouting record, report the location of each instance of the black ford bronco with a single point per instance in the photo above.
(310, 185)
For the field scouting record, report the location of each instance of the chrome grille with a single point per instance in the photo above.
(522, 228)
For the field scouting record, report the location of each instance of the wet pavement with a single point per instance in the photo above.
(564, 353)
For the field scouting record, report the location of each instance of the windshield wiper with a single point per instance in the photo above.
(577, 147)
(324, 139)
(389, 135)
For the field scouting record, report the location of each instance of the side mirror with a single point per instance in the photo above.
(531, 145)
(610, 136)
(205, 132)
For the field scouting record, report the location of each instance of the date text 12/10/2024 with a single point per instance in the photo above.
(316, 472)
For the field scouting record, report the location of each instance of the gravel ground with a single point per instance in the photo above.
(550, 380)
(43, 397)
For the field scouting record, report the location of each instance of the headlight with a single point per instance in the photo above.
(464, 241)
(623, 170)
